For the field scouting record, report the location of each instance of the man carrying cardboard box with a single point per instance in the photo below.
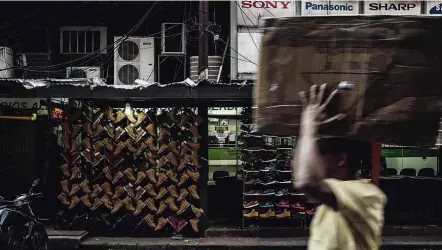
(352, 212)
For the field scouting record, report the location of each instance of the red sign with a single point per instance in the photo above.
(57, 114)
(265, 4)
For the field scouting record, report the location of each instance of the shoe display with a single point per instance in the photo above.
(74, 202)
(151, 190)
(129, 172)
(283, 204)
(97, 131)
(194, 191)
(268, 192)
(119, 190)
(107, 189)
(183, 206)
(108, 144)
(194, 223)
(266, 170)
(85, 186)
(252, 181)
(75, 131)
(171, 202)
(117, 205)
(197, 211)
(183, 195)
(75, 173)
(86, 201)
(151, 204)
(251, 214)
(150, 220)
(162, 177)
(119, 117)
(250, 204)
(151, 174)
(97, 204)
(127, 202)
(298, 206)
(140, 177)
(183, 163)
(74, 189)
(172, 191)
(163, 191)
(140, 206)
(269, 214)
(161, 207)
(282, 192)
(129, 188)
(252, 192)
(65, 170)
(108, 173)
(151, 130)
(173, 222)
(117, 177)
(160, 224)
(132, 164)
(183, 179)
(171, 175)
(65, 186)
(141, 148)
(96, 190)
(193, 174)
(181, 225)
(267, 204)
(139, 192)
(64, 199)
(130, 146)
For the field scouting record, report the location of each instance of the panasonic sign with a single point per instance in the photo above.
(392, 8)
(311, 8)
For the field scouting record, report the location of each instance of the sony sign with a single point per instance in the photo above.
(324, 8)
(251, 13)
(434, 8)
(392, 7)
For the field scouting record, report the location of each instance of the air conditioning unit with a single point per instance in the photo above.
(134, 58)
(83, 72)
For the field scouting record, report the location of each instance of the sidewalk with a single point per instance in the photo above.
(102, 243)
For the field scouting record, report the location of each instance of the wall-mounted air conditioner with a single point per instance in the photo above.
(134, 58)
(83, 72)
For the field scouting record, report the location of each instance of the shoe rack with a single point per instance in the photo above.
(269, 199)
(141, 165)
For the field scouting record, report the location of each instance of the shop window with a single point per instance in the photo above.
(83, 40)
(398, 160)
(224, 124)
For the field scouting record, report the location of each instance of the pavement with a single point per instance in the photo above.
(102, 243)
(64, 240)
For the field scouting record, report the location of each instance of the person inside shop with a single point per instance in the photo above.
(351, 213)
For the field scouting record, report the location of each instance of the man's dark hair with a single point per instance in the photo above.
(356, 151)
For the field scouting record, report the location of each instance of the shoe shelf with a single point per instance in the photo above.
(131, 170)
(269, 199)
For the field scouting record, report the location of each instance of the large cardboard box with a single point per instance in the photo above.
(394, 63)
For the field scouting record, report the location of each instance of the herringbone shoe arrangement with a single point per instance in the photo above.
(139, 162)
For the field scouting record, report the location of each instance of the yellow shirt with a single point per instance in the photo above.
(356, 224)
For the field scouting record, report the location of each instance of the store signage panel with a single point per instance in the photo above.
(325, 8)
(392, 7)
(224, 111)
(251, 13)
(248, 52)
(434, 8)
(22, 103)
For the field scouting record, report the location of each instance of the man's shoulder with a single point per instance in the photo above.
(362, 188)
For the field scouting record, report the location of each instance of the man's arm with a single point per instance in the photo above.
(309, 168)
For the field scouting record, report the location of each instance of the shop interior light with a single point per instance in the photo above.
(128, 109)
